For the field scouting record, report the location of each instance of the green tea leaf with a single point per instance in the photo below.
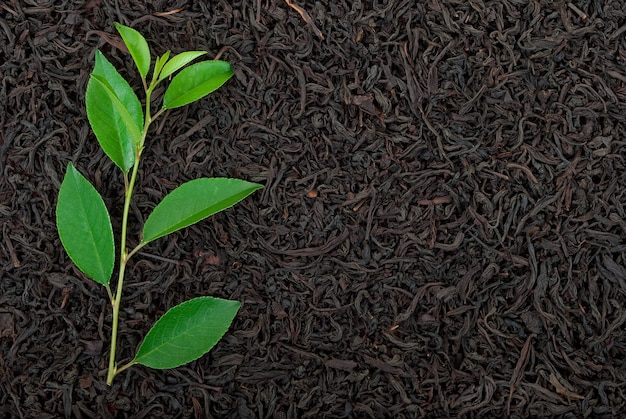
(123, 113)
(108, 125)
(85, 227)
(158, 65)
(137, 46)
(117, 84)
(107, 73)
(194, 201)
(114, 113)
(186, 332)
(195, 82)
(179, 61)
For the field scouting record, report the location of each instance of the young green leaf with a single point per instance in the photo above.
(114, 113)
(186, 332)
(158, 65)
(85, 227)
(195, 82)
(137, 46)
(179, 61)
(194, 201)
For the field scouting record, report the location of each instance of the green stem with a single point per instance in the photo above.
(156, 115)
(108, 288)
(124, 367)
(123, 261)
(116, 315)
(136, 249)
(124, 255)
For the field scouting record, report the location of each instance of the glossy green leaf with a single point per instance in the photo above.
(137, 46)
(114, 113)
(179, 61)
(194, 201)
(85, 227)
(123, 113)
(186, 332)
(195, 82)
(158, 65)
(117, 84)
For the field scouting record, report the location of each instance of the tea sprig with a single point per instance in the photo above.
(121, 124)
